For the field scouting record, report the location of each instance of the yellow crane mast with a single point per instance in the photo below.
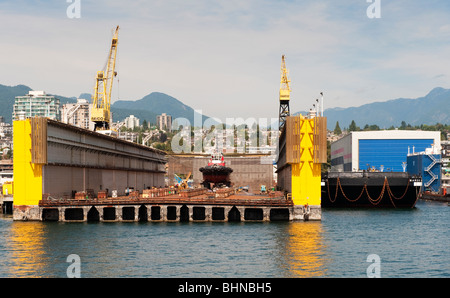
(101, 109)
(285, 94)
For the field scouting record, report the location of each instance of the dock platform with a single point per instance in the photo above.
(204, 207)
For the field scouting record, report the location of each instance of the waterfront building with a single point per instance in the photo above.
(36, 104)
(384, 150)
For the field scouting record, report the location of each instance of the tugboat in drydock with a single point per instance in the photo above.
(216, 173)
(370, 189)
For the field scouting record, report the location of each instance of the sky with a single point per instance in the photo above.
(224, 57)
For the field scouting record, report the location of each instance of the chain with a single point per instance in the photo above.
(362, 191)
(328, 187)
(372, 201)
(404, 194)
(378, 200)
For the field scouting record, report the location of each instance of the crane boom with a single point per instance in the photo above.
(285, 94)
(101, 109)
(284, 84)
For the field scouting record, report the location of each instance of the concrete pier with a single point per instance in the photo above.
(176, 208)
(174, 213)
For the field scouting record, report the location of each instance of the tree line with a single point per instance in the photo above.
(443, 128)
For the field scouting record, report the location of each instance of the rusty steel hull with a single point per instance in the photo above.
(216, 175)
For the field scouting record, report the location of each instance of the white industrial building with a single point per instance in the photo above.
(383, 150)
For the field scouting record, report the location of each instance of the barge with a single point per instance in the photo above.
(370, 189)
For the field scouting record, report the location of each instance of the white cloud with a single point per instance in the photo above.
(224, 56)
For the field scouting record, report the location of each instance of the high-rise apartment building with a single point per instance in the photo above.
(36, 104)
(78, 114)
(164, 122)
(131, 122)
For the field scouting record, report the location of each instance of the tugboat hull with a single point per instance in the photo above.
(216, 175)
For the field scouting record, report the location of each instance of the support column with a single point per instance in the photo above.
(136, 213)
(226, 210)
(27, 173)
(208, 213)
(119, 213)
(266, 213)
(306, 172)
(85, 212)
(191, 212)
(242, 212)
(61, 211)
(100, 213)
(163, 212)
(297, 213)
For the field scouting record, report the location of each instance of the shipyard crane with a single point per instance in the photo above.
(285, 94)
(101, 108)
(182, 184)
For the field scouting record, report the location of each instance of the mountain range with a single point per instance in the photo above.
(430, 109)
(146, 108)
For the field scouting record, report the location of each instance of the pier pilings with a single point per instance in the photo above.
(177, 213)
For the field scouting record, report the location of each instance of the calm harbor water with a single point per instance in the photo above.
(409, 243)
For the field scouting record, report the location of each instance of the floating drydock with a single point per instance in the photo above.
(370, 189)
(65, 173)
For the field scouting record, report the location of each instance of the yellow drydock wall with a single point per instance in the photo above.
(306, 175)
(27, 176)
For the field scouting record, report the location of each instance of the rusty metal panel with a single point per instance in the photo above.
(39, 140)
(320, 140)
(293, 137)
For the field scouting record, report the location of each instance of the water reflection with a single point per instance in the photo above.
(304, 250)
(26, 252)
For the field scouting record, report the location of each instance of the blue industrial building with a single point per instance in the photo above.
(389, 154)
(384, 150)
